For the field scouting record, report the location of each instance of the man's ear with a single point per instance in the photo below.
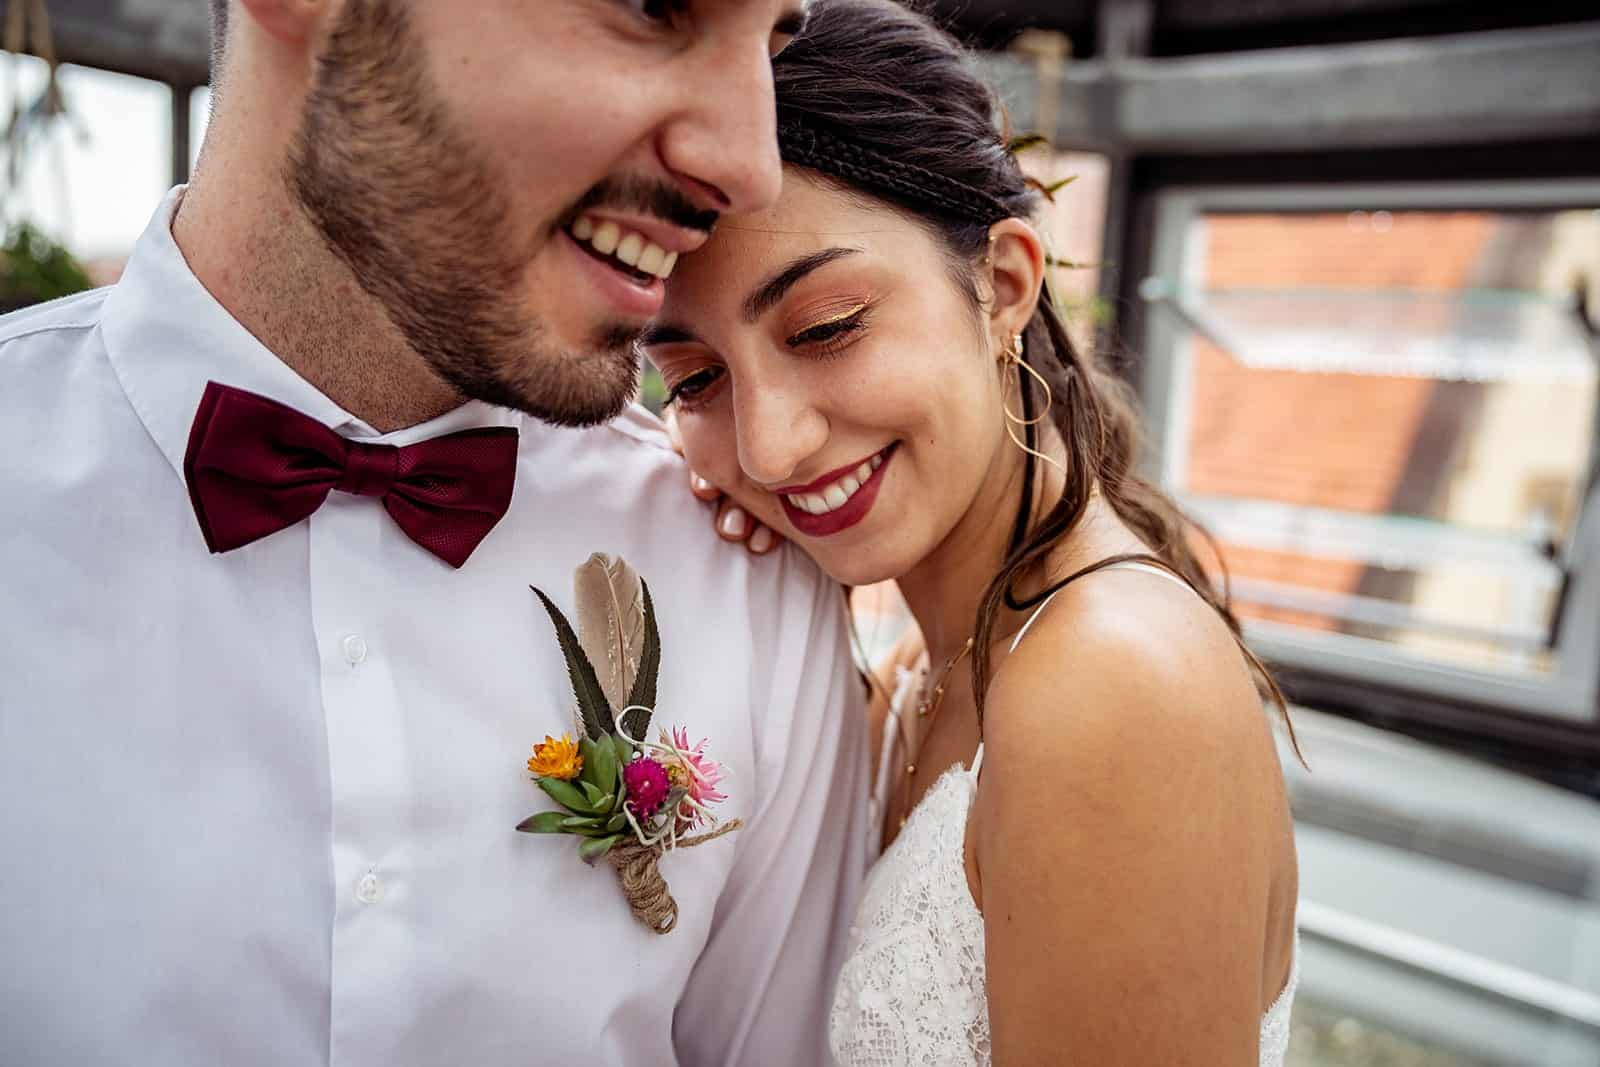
(292, 22)
(1014, 268)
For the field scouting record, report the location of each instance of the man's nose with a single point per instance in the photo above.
(725, 147)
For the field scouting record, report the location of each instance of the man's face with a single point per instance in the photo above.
(474, 163)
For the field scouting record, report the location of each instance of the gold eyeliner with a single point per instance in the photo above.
(842, 316)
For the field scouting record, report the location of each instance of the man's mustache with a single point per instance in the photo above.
(650, 197)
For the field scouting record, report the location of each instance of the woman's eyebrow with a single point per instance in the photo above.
(769, 292)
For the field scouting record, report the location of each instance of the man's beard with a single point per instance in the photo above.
(410, 204)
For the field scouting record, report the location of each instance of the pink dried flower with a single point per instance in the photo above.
(647, 784)
(698, 775)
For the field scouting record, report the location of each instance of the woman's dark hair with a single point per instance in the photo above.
(876, 98)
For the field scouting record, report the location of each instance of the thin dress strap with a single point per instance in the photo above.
(977, 757)
(1126, 565)
(1034, 618)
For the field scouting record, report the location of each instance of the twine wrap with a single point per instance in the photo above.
(638, 869)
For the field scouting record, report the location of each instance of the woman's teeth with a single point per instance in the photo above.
(838, 494)
(631, 248)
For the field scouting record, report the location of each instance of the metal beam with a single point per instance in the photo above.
(1504, 85)
(182, 133)
(168, 40)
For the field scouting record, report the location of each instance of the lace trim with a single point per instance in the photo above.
(914, 987)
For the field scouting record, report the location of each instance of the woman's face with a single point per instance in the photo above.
(828, 373)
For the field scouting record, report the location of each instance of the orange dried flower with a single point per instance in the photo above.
(556, 758)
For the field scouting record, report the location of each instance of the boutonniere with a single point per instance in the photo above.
(630, 800)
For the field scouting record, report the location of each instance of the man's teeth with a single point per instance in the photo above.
(609, 239)
(839, 493)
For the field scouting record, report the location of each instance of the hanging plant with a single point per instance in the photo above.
(33, 269)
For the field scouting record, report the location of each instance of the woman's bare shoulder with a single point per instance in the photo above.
(1127, 679)
(1126, 827)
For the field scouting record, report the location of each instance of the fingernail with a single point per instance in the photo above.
(732, 524)
(701, 485)
(761, 540)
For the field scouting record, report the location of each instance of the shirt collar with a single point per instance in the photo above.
(167, 336)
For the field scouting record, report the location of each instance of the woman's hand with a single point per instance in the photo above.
(732, 522)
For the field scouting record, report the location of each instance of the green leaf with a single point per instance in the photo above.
(567, 795)
(594, 848)
(617, 822)
(598, 799)
(643, 694)
(603, 762)
(597, 720)
(580, 822)
(1068, 264)
(1055, 187)
(587, 749)
(546, 822)
(623, 751)
(1025, 142)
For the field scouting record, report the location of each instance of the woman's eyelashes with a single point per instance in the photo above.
(832, 334)
(825, 339)
(690, 390)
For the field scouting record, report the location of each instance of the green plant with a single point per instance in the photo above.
(33, 269)
(652, 391)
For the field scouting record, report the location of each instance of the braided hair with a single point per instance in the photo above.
(876, 99)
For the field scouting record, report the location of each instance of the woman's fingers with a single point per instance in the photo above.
(702, 489)
(762, 540)
(736, 524)
(669, 419)
(733, 522)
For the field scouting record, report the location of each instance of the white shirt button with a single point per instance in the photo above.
(370, 889)
(355, 649)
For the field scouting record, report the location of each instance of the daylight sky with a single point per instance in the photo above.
(101, 174)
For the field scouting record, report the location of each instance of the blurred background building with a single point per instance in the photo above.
(1349, 252)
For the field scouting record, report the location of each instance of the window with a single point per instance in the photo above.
(1073, 224)
(1382, 402)
(92, 178)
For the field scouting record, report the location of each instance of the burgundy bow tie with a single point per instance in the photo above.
(255, 466)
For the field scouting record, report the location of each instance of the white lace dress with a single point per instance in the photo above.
(912, 991)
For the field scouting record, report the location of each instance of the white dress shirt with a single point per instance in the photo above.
(259, 807)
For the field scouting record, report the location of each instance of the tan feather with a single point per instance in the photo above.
(610, 606)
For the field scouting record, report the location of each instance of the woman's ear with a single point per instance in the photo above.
(1015, 267)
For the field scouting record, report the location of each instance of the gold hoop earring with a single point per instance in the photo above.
(1012, 358)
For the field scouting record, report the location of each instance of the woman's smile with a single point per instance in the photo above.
(839, 499)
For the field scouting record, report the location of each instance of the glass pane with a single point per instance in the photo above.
(199, 121)
(1387, 419)
(90, 178)
(1074, 222)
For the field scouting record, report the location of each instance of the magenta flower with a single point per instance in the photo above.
(647, 784)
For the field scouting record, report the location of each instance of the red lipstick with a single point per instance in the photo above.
(842, 518)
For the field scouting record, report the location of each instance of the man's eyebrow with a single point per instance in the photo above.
(766, 295)
(665, 333)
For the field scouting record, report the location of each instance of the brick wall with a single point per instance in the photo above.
(1332, 440)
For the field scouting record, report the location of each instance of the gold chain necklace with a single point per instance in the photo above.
(927, 710)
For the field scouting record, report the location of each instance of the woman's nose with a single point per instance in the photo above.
(778, 430)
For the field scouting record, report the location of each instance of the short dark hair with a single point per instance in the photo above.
(219, 34)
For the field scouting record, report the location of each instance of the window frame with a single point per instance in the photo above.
(1570, 694)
